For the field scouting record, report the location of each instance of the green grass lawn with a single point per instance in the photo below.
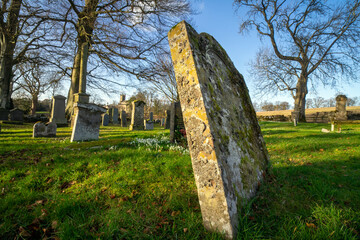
(125, 187)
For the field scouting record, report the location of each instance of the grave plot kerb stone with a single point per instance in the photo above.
(228, 153)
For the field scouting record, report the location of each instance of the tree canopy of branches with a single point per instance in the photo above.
(20, 23)
(121, 36)
(310, 40)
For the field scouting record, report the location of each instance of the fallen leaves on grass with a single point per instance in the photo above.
(311, 225)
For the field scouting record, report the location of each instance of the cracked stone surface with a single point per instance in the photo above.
(228, 153)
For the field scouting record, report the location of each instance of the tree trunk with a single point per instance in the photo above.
(34, 102)
(8, 38)
(300, 97)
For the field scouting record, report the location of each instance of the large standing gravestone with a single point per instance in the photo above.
(58, 110)
(110, 112)
(177, 128)
(167, 119)
(228, 153)
(105, 119)
(137, 116)
(16, 115)
(115, 116)
(340, 112)
(87, 121)
(123, 119)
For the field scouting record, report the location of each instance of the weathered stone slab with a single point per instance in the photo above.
(149, 125)
(340, 112)
(16, 115)
(110, 112)
(4, 114)
(58, 110)
(151, 116)
(44, 130)
(105, 119)
(87, 121)
(137, 116)
(123, 119)
(228, 153)
(167, 119)
(115, 116)
(177, 127)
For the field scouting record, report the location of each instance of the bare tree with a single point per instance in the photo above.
(120, 35)
(310, 40)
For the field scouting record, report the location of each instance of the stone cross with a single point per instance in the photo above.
(42, 130)
(177, 128)
(137, 116)
(167, 119)
(123, 119)
(340, 112)
(105, 119)
(227, 150)
(58, 110)
(87, 122)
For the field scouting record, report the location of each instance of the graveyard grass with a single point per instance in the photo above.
(123, 188)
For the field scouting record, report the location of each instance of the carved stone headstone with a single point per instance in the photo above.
(58, 110)
(4, 114)
(123, 119)
(167, 119)
(149, 125)
(44, 130)
(151, 116)
(137, 116)
(105, 119)
(115, 116)
(110, 112)
(87, 122)
(340, 112)
(16, 115)
(228, 153)
(176, 122)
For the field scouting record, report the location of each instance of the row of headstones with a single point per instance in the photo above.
(14, 115)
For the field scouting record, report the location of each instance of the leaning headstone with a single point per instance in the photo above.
(151, 116)
(16, 115)
(137, 116)
(44, 130)
(177, 128)
(115, 116)
(123, 119)
(149, 125)
(105, 119)
(228, 153)
(167, 119)
(4, 114)
(58, 110)
(87, 122)
(340, 112)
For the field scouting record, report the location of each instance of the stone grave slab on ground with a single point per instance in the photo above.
(58, 110)
(137, 117)
(105, 119)
(16, 115)
(44, 130)
(123, 119)
(167, 119)
(87, 122)
(228, 153)
(177, 127)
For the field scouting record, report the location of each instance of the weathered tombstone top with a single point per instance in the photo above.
(341, 114)
(227, 150)
(151, 116)
(44, 130)
(58, 110)
(16, 115)
(105, 119)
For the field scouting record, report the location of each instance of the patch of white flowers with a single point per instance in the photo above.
(158, 144)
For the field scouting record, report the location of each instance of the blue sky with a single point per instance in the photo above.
(219, 19)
